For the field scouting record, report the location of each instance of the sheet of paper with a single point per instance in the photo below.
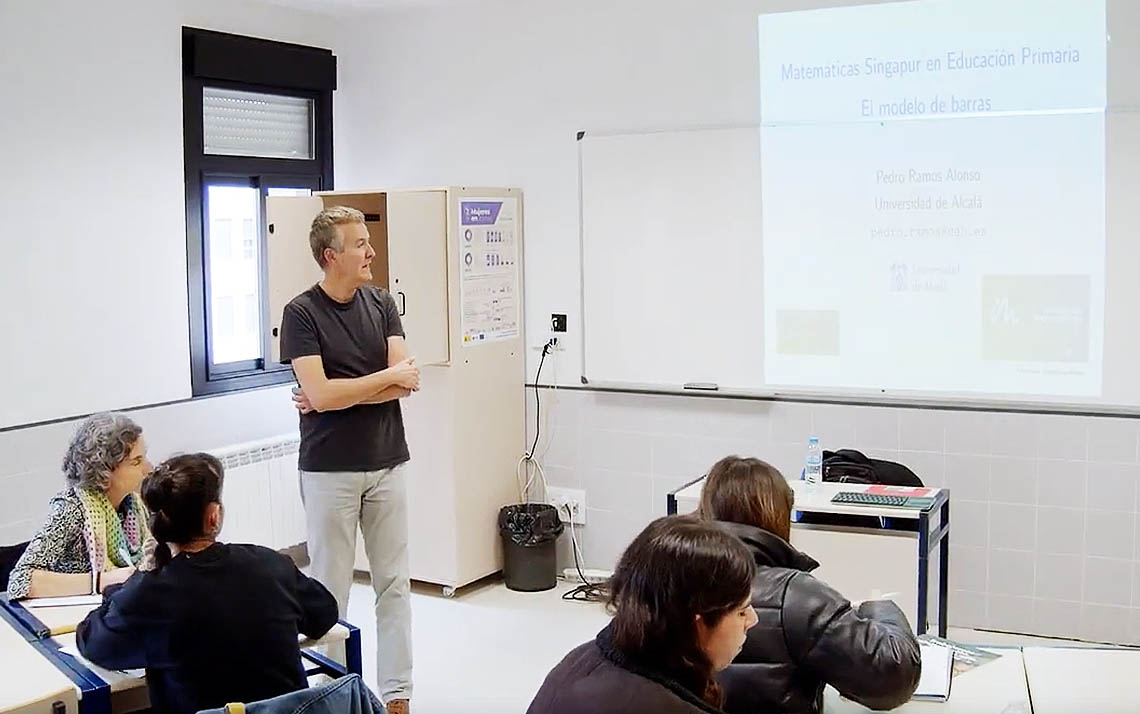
(73, 650)
(936, 672)
(40, 602)
(60, 620)
(875, 595)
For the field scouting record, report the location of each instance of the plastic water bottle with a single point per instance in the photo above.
(813, 464)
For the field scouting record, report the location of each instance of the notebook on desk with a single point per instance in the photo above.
(59, 620)
(937, 672)
(70, 601)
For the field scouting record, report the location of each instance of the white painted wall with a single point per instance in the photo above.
(93, 279)
(94, 275)
(1045, 535)
(1045, 506)
(495, 94)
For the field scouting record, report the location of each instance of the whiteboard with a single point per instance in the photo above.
(672, 269)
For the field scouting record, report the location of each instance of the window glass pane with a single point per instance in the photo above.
(224, 317)
(249, 304)
(282, 191)
(253, 124)
(247, 236)
(234, 275)
(221, 238)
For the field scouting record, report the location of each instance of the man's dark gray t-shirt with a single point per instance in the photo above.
(352, 341)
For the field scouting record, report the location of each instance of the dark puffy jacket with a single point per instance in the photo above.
(596, 679)
(808, 635)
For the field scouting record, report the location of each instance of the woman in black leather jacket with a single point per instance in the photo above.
(808, 634)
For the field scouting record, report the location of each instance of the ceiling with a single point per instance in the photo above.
(346, 7)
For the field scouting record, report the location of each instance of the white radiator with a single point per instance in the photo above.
(261, 493)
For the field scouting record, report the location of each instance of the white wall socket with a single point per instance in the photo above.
(574, 498)
(559, 344)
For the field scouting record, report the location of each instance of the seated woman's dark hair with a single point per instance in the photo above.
(177, 494)
(677, 568)
(750, 492)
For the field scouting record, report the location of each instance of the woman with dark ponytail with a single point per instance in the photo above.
(681, 599)
(177, 494)
(213, 622)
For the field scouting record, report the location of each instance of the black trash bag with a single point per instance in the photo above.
(530, 524)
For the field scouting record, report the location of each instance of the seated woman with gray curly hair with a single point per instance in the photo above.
(96, 531)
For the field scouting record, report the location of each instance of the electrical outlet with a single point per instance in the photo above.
(572, 497)
(558, 322)
(557, 346)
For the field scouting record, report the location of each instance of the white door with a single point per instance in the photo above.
(292, 269)
(417, 268)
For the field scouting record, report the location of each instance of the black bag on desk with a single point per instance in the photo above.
(851, 466)
(854, 467)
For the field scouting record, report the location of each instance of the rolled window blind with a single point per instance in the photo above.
(236, 123)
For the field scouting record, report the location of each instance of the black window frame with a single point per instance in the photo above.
(215, 59)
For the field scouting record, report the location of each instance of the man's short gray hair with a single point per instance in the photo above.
(101, 443)
(324, 234)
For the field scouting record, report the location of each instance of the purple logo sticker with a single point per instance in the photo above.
(480, 213)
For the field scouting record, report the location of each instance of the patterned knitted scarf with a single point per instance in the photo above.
(112, 542)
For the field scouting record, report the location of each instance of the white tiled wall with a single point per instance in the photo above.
(1044, 507)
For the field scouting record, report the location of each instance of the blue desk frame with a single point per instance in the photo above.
(95, 694)
(26, 622)
(927, 542)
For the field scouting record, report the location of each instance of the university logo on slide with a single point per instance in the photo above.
(1035, 318)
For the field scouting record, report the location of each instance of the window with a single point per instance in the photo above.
(222, 311)
(247, 239)
(283, 191)
(231, 275)
(252, 314)
(221, 238)
(257, 122)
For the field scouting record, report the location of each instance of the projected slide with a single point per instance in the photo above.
(933, 196)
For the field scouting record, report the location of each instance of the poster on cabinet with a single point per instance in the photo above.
(489, 269)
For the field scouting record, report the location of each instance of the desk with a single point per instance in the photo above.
(32, 684)
(1082, 679)
(864, 562)
(102, 691)
(128, 691)
(58, 620)
(997, 687)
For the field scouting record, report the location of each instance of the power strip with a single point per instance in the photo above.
(593, 575)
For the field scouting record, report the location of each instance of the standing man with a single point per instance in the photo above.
(345, 342)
